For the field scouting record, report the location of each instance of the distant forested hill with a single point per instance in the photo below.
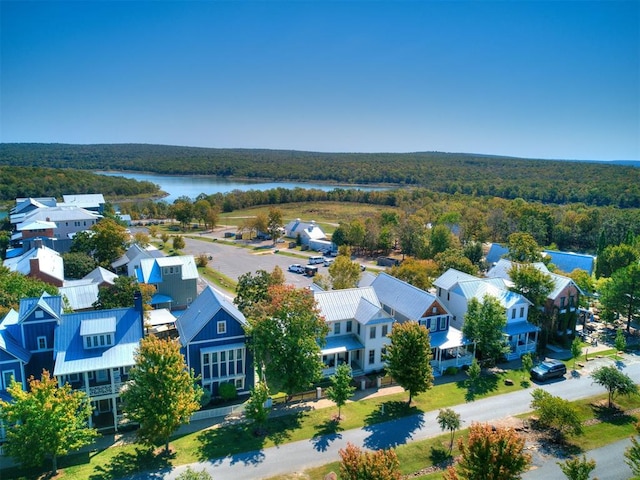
(547, 181)
(55, 182)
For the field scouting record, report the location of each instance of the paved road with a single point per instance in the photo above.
(298, 456)
(609, 464)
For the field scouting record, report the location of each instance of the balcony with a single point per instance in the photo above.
(108, 389)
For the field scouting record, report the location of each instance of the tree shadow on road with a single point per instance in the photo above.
(406, 420)
(326, 433)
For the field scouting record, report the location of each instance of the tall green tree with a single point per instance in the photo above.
(490, 453)
(449, 420)
(341, 389)
(576, 350)
(46, 421)
(178, 242)
(344, 273)
(275, 223)
(121, 293)
(109, 241)
(556, 414)
(77, 264)
(615, 257)
(182, 211)
(616, 382)
(533, 284)
(408, 357)
(577, 468)
(14, 286)
(255, 408)
(454, 258)
(440, 240)
(419, 273)
(622, 293)
(162, 393)
(632, 454)
(523, 248)
(253, 288)
(285, 333)
(484, 324)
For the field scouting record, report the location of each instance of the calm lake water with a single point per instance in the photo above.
(193, 185)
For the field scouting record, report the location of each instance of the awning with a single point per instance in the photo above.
(341, 343)
(159, 298)
(518, 328)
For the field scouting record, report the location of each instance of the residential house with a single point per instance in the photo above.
(213, 342)
(39, 262)
(358, 329)
(175, 279)
(129, 262)
(562, 301)
(83, 293)
(569, 261)
(404, 303)
(307, 231)
(455, 290)
(93, 202)
(92, 351)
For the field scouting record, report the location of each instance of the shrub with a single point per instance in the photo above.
(205, 399)
(227, 391)
(202, 260)
(451, 371)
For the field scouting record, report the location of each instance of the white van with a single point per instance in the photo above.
(316, 259)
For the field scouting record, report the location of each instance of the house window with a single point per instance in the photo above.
(513, 313)
(224, 365)
(385, 330)
(39, 314)
(372, 332)
(521, 312)
(434, 310)
(336, 328)
(442, 323)
(562, 301)
(7, 375)
(102, 376)
(372, 357)
(222, 327)
(358, 329)
(95, 341)
(74, 377)
(383, 352)
(42, 343)
(571, 300)
(90, 375)
(448, 296)
(349, 324)
(88, 342)
(439, 292)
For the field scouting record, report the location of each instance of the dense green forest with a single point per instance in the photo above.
(55, 182)
(546, 181)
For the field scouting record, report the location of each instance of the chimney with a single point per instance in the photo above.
(137, 305)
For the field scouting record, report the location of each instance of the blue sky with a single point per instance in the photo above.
(532, 79)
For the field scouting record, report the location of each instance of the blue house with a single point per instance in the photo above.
(211, 333)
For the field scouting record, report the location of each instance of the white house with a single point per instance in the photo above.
(405, 302)
(308, 231)
(358, 329)
(455, 290)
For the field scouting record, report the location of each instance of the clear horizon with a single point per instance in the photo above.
(539, 80)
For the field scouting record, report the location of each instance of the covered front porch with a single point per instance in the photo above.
(450, 349)
(522, 337)
(342, 349)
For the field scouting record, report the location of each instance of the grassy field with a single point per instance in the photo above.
(326, 214)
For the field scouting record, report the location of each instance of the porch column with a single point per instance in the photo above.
(114, 411)
(85, 381)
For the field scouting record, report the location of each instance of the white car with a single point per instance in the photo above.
(328, 261)
(296, 268)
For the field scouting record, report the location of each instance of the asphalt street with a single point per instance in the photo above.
(322, 449)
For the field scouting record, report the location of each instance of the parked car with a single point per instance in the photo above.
(547, 370)
(316, 259)
(296, 268)
(328, 261)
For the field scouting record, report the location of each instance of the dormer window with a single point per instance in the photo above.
(222, 327)
(98, 333)
(39, 314)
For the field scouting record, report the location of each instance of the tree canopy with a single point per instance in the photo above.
(616, 382)
(285, 334)
(162, 393)
(46, 421)
(484, 323)
(407, 357)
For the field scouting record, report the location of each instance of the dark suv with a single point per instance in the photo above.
(547, 370)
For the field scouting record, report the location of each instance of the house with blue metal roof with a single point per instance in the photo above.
(456, 289)
(567, 262)
(213, 342)
(175, 279)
